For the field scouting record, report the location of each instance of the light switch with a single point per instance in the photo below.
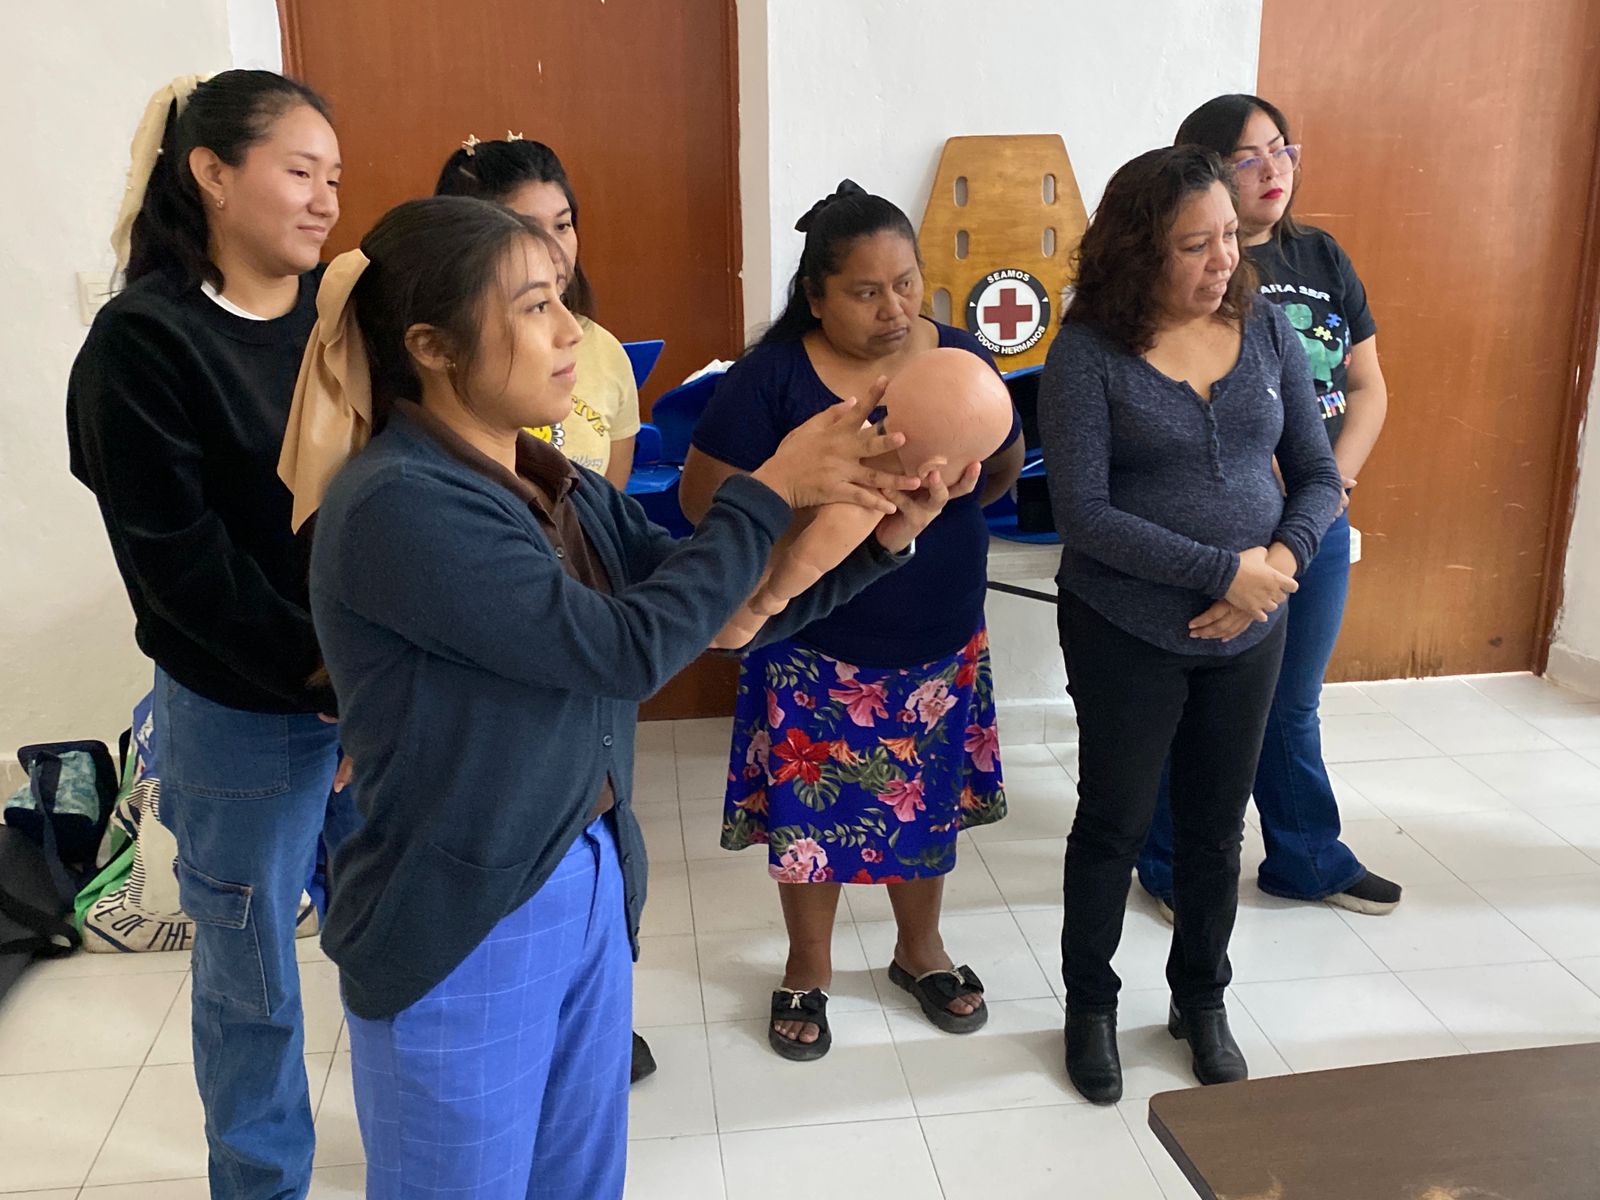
(94, 289)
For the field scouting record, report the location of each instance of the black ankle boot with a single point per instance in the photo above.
(1217, 1057)
(1092, 1061)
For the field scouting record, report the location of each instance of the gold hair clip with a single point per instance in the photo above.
(513, 137)
(470, 145)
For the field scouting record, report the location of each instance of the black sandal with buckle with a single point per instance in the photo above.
(810, 1008)
(936, 990)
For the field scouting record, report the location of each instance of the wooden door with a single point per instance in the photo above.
(1453, 153)
(640, 101)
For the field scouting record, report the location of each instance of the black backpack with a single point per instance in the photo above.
(45, 853)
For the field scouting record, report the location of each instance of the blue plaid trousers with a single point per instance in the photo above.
(509, 1080)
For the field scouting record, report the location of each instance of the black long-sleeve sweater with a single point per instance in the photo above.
(176, 411)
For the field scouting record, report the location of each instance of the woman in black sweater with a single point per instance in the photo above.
(175, 415)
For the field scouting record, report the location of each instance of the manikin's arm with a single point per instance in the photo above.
(817, 543)
(833, 532)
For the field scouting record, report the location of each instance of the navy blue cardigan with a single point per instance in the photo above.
(485, 694)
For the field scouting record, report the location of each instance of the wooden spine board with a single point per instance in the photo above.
(1008, 207)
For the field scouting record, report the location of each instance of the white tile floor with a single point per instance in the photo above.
(1482, 796)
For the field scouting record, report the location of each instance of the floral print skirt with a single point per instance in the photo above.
(861, 775)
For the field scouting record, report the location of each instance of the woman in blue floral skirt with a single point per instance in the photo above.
(915, 751)
(866, 743)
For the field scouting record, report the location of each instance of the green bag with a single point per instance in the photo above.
(132, 904)
(116, 851)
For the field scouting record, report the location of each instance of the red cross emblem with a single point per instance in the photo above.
(1008, 314)
(1008, 311)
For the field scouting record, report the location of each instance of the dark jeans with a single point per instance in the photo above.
(1136, 705)
(1299, 814)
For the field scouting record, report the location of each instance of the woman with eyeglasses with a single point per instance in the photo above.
(1306, 273)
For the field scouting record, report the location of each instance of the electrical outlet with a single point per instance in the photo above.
(94, 289)
(1355, 544)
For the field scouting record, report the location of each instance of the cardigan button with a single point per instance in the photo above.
(607, 740)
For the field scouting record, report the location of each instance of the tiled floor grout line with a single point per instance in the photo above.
(1567, 967)
(1427, 1008)
(1122, 1114)
(132, 1083)
(899, 1062)
(1527, 933)
(88, 1170)
(705, 1024)
(922, 1131)
(327, 1079)
(88, 1190)
(694, 929)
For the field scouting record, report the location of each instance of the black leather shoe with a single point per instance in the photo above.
(1217, 1057)
(1092, 1061)
(644, 1063)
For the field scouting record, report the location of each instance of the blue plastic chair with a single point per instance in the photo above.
(675, 414)
(663, 442)
(650, 476)
(643, 356)
(663, 508)
(654, 484)
(1001, 516)
(1023, 384)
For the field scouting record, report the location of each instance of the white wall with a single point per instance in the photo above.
(872, 90)
(837, 88)
(253, 35)
(1575, 652)
(755, 169)
(74, 81)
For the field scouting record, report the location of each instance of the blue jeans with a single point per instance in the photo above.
(1299, 815)
(509, 1080)
(248, 796)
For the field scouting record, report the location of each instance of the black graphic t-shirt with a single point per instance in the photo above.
(1314, 283)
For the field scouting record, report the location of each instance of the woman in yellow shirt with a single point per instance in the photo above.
(528, 178)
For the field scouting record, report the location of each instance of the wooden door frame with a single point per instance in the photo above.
(1581, 374)
(289, 37)
(730, 16)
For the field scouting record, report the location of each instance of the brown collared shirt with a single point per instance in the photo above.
(543, 480)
